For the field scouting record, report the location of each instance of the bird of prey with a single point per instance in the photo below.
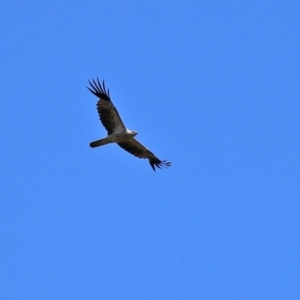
(116, 130)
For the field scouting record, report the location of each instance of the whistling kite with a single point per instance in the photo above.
(116, 130)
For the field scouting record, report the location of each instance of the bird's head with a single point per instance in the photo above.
(133, 133)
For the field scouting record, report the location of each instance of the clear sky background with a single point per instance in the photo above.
(212, 86)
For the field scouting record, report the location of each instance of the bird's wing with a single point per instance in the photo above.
(108, 114)
(135, 148)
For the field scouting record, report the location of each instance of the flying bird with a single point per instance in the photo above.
(116, 130)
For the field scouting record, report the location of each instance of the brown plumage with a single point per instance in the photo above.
(116, 130)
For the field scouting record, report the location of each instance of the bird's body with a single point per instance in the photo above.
(115, 137)
(116, 130)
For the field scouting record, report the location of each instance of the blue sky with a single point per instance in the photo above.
(212, 86)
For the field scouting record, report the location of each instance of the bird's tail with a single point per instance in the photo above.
(99, 143)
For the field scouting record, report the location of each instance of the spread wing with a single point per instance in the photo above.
(108, 114)
(135, 148)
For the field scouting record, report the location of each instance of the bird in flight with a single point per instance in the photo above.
(116, 130)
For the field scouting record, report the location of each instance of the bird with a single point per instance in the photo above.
(116, 130)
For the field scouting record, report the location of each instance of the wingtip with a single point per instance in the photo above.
(98, 89)
(159, 163)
